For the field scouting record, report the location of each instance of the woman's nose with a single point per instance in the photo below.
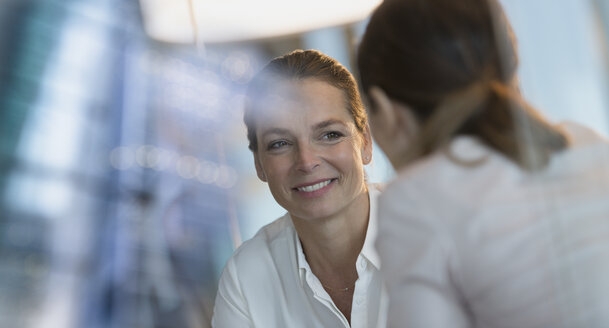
(307, 158)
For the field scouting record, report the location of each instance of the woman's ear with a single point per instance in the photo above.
(383, 111)
(386, 119)
(259, 169)
(393, 124)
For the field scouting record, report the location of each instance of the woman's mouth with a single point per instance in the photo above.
(315, 187)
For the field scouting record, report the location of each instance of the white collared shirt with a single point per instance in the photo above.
(268, 283)
(494, 246)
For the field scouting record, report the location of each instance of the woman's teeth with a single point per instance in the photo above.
(315, 186)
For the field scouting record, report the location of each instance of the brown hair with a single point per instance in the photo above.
(301, 64)
(454, 64)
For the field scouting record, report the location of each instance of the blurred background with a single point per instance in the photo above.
(125, 178)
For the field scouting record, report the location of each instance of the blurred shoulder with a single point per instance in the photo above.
(465, 162)
(581, 135)
(587, 155)
(453, 182)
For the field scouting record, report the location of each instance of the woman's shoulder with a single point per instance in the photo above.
(277, 234)
(259, 260)
(587, 154)
(453, 181)
(581, 136)
(466, 161)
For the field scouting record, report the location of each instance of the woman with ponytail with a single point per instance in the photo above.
(498, 218)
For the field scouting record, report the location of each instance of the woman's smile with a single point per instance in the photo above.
(315, 189)
(310, 151)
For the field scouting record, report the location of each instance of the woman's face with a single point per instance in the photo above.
(309, 149)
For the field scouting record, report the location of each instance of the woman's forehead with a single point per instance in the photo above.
(304, 100)
(300, 90)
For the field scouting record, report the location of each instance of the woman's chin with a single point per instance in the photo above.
(312, 214)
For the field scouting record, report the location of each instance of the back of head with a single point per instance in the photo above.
(299, 65)
(454, 64)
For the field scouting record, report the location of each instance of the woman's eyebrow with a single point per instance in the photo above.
(278, 131)
(326, 123)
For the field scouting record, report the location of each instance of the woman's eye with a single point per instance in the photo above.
(277, 144)
(333, 135)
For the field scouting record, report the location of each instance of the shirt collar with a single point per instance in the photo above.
(368, 250)
(303, 265)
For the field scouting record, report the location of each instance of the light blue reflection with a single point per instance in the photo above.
(563, 67)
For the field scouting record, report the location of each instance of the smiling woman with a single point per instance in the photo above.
(300, 131)
(315, 266)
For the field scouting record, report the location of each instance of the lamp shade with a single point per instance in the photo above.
(240, 20)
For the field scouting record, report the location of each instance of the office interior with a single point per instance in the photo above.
(125, 178)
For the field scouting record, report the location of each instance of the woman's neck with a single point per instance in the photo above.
(331, 245)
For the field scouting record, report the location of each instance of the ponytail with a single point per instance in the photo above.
(497, 115)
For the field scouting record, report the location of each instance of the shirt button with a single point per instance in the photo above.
(359, 301)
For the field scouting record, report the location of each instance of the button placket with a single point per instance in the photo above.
(359, 300)
(322, 296)
(360, 312)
